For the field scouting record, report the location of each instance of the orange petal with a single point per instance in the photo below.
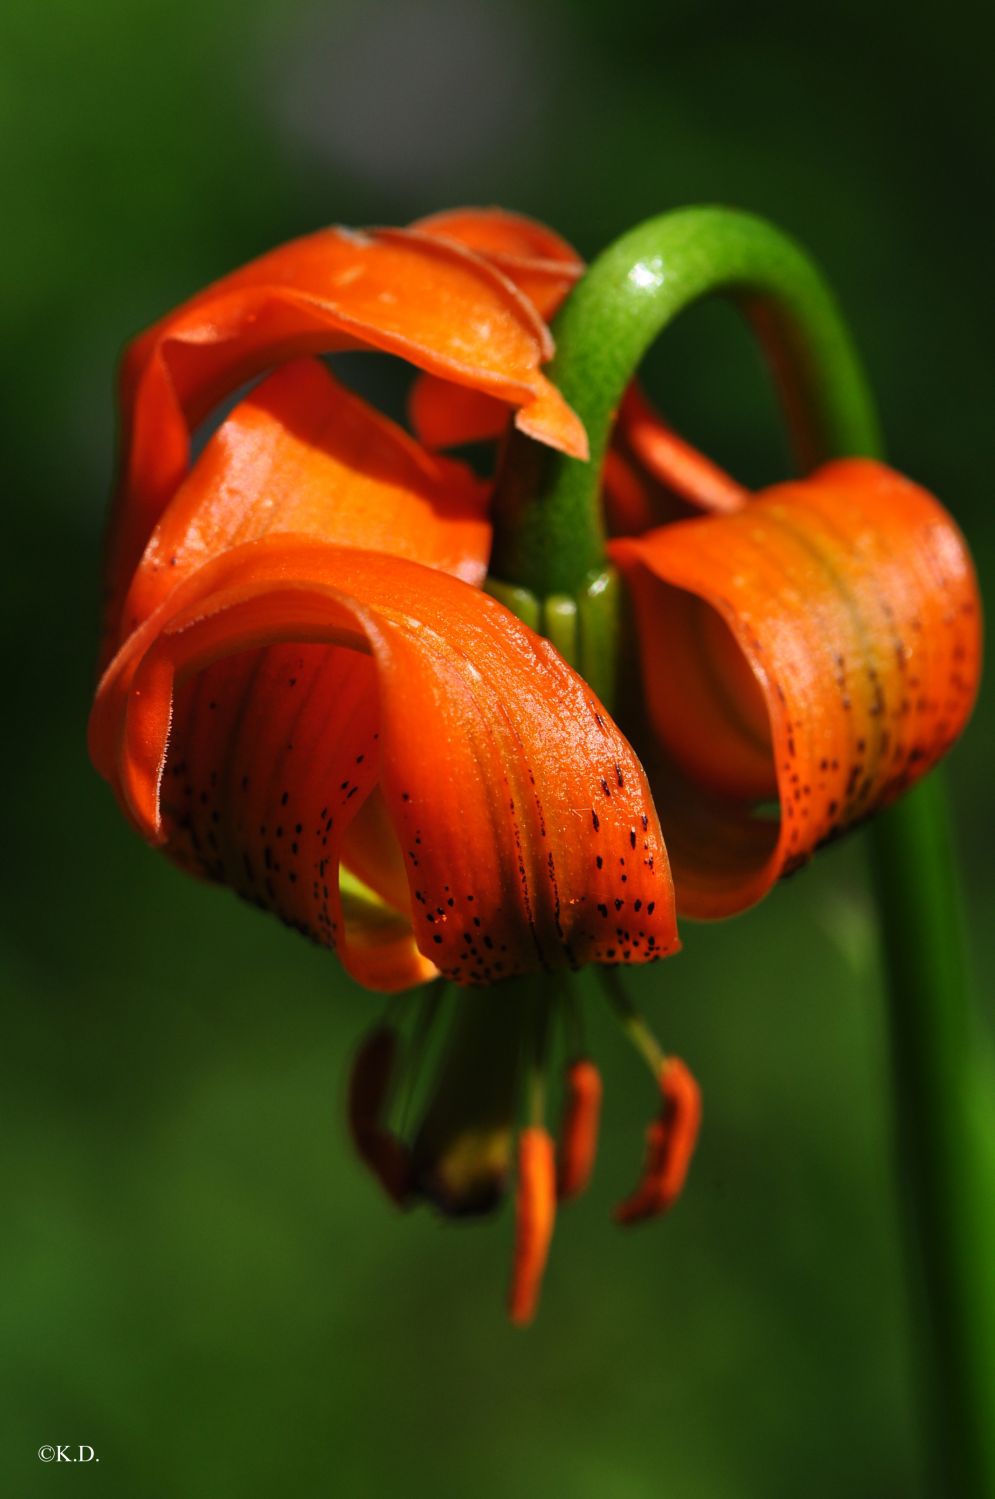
(579, 1131)
(301, 454)
(820, 648)
(529, 837)
(670, 1142)
(423, 298)
(273, 754)
(535, 1216)
(541, 264)
(444, 415)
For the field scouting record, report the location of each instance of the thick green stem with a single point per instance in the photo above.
(945, 1106)
(549, 540)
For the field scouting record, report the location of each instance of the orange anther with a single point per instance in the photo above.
(670, 1142)
(579, 1134)
(535, 1214)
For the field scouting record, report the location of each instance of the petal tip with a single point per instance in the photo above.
(548, 419)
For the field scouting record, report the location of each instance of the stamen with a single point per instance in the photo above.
(535, 1047)
(463, 1146)
(369, 1092)
(670, 1139)
(579, 1132)
(634, 1025)
(670, 1142)
(535, 1213)
(428, 1002)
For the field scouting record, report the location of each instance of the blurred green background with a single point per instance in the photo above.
(197, 1279)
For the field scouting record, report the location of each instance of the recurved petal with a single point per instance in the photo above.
(537, 259)
(272, 752)
(818, 651)
(427, 299)
(541, 264)
(301, 454)
(526, 828)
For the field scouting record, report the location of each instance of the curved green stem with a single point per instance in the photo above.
(548, 525)
(549, 540)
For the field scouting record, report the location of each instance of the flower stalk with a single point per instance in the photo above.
(549, 539)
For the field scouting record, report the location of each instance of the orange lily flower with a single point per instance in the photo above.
(308, 698)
